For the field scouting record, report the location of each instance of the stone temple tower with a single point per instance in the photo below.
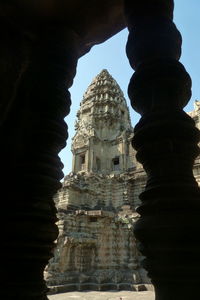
(96, 248)
(103, 130)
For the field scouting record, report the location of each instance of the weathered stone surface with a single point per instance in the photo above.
(195, 115)
(96, 248)
(111, 295)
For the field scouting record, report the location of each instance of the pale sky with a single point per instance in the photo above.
(111, 56)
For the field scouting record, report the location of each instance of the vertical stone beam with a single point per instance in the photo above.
(32, 135)
(166, 142)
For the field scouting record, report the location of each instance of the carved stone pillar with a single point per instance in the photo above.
(166, 142)
(32, 135)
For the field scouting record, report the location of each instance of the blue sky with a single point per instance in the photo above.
(111, 55)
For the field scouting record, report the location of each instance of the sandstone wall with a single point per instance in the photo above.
(96, 248)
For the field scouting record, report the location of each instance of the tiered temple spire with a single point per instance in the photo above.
(102, 118)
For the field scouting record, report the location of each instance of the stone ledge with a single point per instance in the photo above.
(99, 287)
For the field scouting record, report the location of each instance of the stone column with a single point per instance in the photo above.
(166, 143)
(32, 135)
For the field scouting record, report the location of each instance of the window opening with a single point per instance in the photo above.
(116, 163)
(93, 219)
(98, 164)
(82, 161)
